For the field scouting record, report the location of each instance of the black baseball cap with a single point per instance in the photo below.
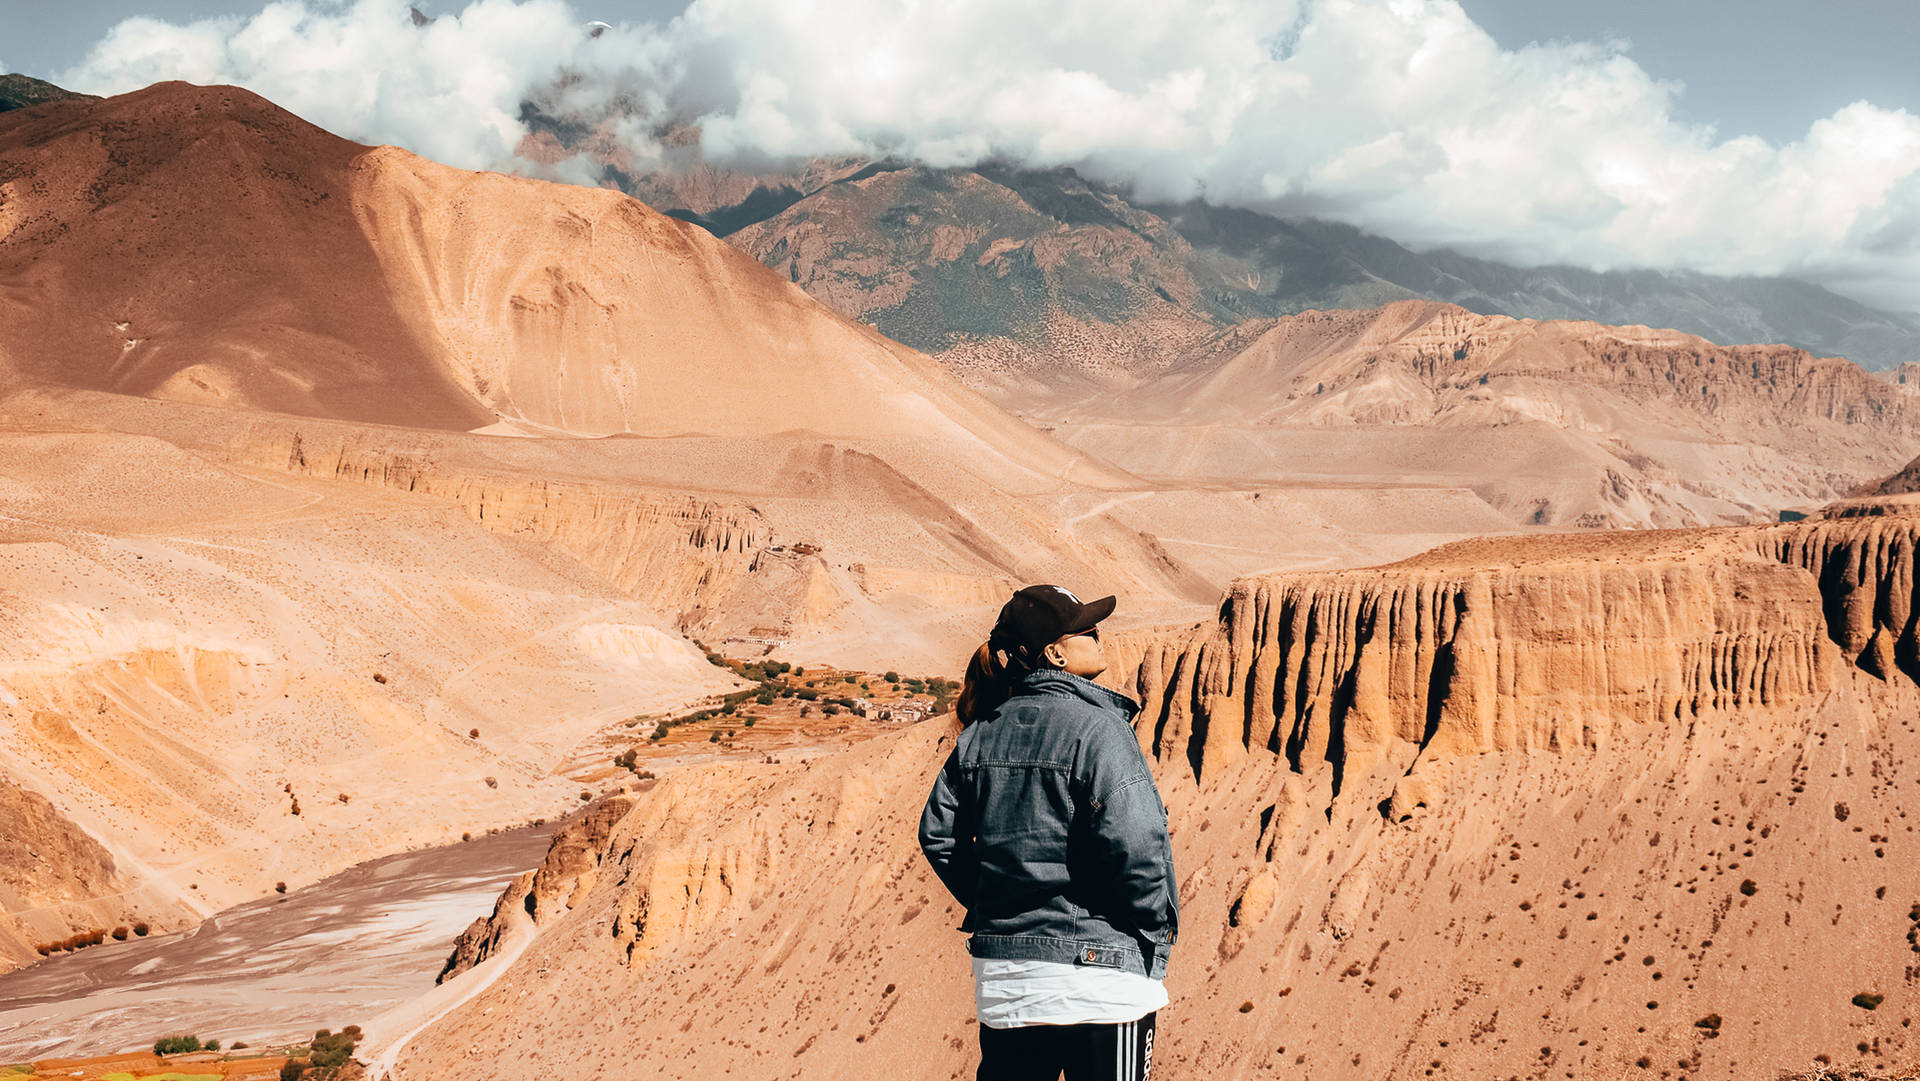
(1036, 615)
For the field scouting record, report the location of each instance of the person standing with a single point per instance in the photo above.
(1046, 825)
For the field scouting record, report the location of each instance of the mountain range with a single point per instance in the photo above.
(1085, 280)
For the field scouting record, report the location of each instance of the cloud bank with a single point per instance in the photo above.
(1398, 116)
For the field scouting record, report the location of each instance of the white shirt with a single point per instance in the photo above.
(1013, 994)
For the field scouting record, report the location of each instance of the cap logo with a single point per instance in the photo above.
(1067, 593)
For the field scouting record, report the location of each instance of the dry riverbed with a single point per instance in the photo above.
(273, 971)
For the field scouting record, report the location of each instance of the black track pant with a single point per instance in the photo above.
(1083, 1052)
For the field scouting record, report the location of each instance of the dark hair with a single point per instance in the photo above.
(991, 674)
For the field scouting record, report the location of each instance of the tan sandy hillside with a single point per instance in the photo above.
(214, 680)
(1564, 807)
(1571, 424)
(200, 244)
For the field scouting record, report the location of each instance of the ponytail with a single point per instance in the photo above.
(991, 674)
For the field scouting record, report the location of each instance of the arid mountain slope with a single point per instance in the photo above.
(24, 92)
(1016, 280)
(215, 679)
(199, 244)
(1319, 264)
(1553, 423)
(1571, 806)
(1116, 281)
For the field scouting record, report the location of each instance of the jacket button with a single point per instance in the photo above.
(1090, 956)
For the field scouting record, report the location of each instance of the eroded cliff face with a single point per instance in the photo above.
(1867, 588)
(1550, 644)
(548, 891)
(681, 552)
(58, 886)
(1527, 809)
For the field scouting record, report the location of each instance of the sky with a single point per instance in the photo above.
(1762, 137)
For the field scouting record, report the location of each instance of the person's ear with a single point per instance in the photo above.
(1056, 656)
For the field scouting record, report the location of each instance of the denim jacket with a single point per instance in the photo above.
(1046, 825)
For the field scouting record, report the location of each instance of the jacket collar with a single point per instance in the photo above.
(1054, 681)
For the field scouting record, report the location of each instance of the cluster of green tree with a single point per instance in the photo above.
(628, 760)
(777, 679)
(181, 1045)
(325, 1055)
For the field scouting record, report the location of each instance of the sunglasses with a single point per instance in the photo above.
(1090, 632)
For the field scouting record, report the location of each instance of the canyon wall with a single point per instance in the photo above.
(1544, 643)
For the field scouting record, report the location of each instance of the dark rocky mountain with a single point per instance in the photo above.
(24, 91)
(1004, 271)
(1331, 264)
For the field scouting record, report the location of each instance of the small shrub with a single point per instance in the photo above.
(1710, 1022)
(660, 730)
(1748, 889)
(715, 738)
(176, 1045)
(891, 676)
(750, 721)
(1246, 1007)
(491, 782)
(210, 1045)
(120, 933)
(473, 733)
(378, 678)
(279, 887)
(292, 1069)
(1867, 1000)
(140, 930)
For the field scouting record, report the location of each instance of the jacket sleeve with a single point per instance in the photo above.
(1130, 852)
(947, 832)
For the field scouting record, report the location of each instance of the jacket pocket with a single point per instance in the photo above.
(1102, 957)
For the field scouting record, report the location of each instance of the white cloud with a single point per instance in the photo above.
(1401, 116)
